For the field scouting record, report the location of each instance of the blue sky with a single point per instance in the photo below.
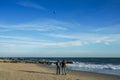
(60, 28)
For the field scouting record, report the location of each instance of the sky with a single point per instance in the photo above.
(59, 28)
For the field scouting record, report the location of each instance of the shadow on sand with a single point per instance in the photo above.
(36, 72)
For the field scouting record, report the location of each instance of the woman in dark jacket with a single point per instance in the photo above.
(63, 65)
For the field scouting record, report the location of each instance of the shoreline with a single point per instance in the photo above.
(45, 63)
(83, 74)
(76, 71)
(27, 71)
(51, 66)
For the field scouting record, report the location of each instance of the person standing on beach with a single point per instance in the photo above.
(63, 65)
(58, 67)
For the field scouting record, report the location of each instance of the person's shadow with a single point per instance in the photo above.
(36, 72)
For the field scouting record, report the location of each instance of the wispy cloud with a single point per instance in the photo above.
(91, 38)
(18, 38)
(108, 29)
(64, 44)
(27, 42)
(82, 40)
(41, 25)
(32, 5)
(53, 26)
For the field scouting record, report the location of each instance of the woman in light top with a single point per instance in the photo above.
(58, 67)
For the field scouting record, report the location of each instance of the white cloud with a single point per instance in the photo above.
(73, 39)
(17, 38)
(31, 4)
(108, 29)
(91, 38)
(13, 41)
(64, 44)
(41, 25)
(23, 42)
(63, 36)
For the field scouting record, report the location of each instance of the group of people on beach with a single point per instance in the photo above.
(59, 66)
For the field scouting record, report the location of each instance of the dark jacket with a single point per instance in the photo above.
(63, 64)
(58, 64)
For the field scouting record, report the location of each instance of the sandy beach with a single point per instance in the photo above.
(22, 71)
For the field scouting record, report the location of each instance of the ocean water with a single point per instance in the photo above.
(98, 65)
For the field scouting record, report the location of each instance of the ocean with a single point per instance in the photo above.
(98, 65)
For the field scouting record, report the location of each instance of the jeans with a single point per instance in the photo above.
(63, 70)
(58, 70)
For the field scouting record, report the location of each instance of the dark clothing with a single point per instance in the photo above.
(58, 63)
(63, 65)
(58, 70)
(58, 67)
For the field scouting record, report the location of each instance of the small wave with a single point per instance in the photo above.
(77, 65)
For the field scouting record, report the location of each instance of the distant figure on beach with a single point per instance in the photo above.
(63, 65)
(58, 67)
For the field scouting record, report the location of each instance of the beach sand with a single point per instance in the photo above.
(26, 71)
